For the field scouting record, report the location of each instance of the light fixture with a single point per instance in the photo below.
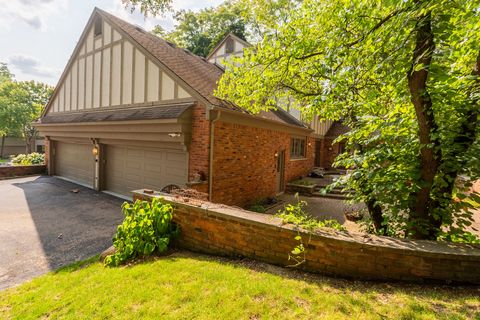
(95, 150)
(276, 154)
(174, 134)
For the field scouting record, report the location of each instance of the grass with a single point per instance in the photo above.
(2, 161)
(190, 286)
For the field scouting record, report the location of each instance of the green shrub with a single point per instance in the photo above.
(29, 159)
(147, 228)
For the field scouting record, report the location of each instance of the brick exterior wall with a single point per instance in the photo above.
(228, 231)
(21, 171)
(200, 143)
(245, 166)
(328, 152)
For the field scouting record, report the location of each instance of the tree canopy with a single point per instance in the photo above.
(5, 74)
(21, 103)
(199, 32)
(404, 76)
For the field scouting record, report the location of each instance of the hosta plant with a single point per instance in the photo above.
(147, 228)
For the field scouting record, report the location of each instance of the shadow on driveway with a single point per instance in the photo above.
(44, 226)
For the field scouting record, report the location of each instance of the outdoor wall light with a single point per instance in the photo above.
(309, 144)
(276, 154)
(95, 151)
(174, 134)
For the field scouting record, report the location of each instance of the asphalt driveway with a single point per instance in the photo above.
(44, 226)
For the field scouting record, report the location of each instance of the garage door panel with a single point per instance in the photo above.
(75, 162)
(133, 168)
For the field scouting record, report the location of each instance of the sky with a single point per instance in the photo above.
(37, 37)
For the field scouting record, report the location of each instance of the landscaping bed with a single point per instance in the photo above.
(186, 286)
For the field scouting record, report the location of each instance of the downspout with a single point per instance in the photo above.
(210, 169)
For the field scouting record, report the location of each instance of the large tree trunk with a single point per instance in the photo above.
(3, 146)
(430, 152)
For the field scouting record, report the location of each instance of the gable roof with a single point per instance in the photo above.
(199, 74)
(229, 35)
(195, 72)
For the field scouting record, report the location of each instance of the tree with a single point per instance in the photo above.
(21, 103)
(5, 74)
(153, 7)
(199, 32)
(405, 76)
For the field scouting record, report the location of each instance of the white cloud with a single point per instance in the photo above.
(34, 13)
(30, 66)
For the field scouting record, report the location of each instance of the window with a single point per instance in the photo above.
(229, 44)
(40, 149)
(98, 27)
(297, 148)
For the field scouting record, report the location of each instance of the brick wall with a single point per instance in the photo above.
(328, 152)
(245, 166)
(227, 231)
(20, 171)
(199, 146)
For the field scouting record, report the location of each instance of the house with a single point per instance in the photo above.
(133, 111)
(324, 131)
(13, 146)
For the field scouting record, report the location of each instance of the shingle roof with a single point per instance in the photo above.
(336, 130)
(150, 113)
(196, 71)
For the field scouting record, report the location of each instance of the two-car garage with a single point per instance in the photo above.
(122, 168)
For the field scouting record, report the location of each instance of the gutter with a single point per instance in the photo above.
(210, 169)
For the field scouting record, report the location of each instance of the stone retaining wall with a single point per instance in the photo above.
(228, 231)
(21, 171)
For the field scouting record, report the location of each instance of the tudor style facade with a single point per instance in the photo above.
(133, 111)
(324, 131)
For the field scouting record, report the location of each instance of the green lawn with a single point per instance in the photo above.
(190, 286)
(2, 161)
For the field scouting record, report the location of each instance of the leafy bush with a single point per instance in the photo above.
(147, 228)
(29, 159)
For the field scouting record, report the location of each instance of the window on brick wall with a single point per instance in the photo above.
(297, 148)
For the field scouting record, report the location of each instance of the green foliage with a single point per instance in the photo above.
(147, 228)
(257, 208)
(5, 74)
(152, 7)
(29, 159)
(199, 32)
(303, 182)
(296, 214)
(351, 60)
(21, 103)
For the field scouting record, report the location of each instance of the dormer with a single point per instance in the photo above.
(229, 47)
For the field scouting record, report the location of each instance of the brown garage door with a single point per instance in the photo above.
(75, 162)
(128, 169)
